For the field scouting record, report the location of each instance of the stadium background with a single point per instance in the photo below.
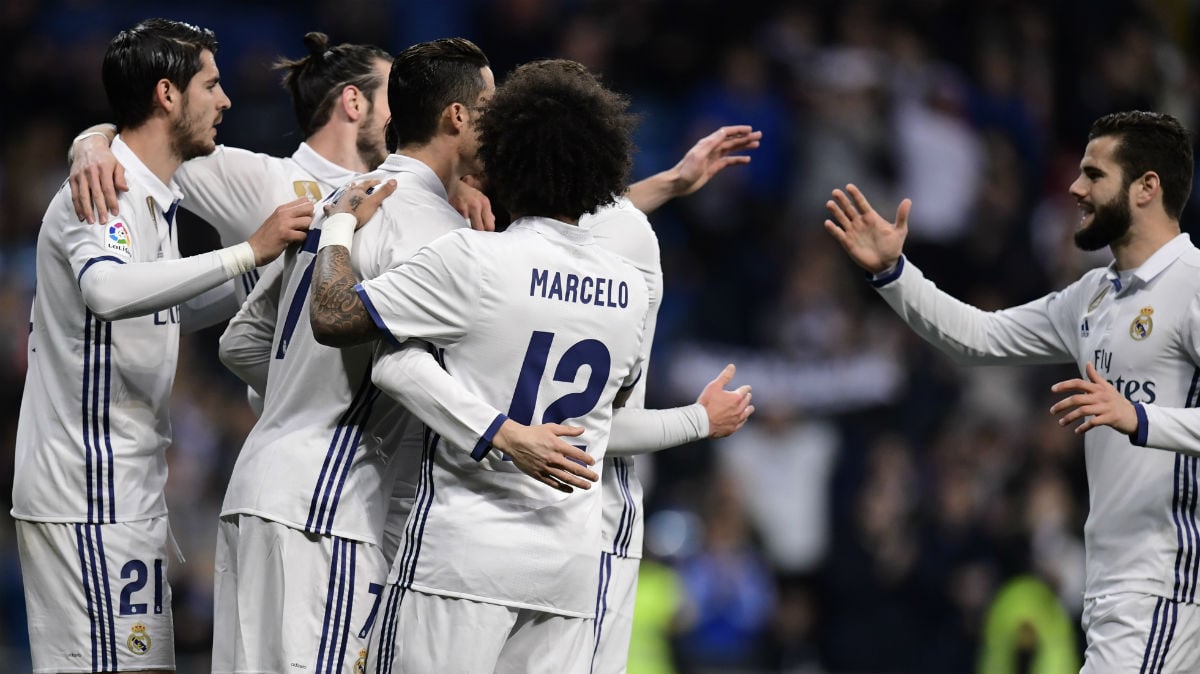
(881, 499)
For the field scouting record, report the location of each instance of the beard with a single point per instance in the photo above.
(190, 136)
(1110, 223)
(370, 143)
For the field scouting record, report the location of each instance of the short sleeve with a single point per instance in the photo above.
(434, 296)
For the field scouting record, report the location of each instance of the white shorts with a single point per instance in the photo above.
(1140, 633)
(97, 595)
(421, 632)
(290, 601)
(614, 613)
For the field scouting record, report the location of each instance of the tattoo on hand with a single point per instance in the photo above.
(355, 202)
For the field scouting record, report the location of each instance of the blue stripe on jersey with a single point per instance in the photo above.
(387, 637)
(626, 516)
(633, 508)
(1175, 514)
(414, 529)
(601, 605)
(485, 440)
(108, 602)
(352, 563)
(370, 307)
(1151, 639)
(317, 521)
(97, 338)
(311, 240)
(112, 492)
(87, 444)
(1190, 517)
(1174, 609)
(329, 595)
(362, 423)
(87, 593)
(293, 315)
(88, 265)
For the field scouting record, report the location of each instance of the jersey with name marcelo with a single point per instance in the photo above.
(624, 229)
(542, 322)
(1143, 336)
(323, 455)
(94, 422)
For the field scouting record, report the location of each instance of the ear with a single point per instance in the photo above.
(354, 103)
(166, 96)
(1146, 189)
(455, 117)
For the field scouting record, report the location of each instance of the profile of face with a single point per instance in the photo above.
(1102, 195)
(194, 121)
(371, 142)
(470, 150)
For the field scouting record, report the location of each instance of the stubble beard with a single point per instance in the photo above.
(190, 136)
(370, 142)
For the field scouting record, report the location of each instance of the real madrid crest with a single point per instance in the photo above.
(138, 641)
(1142, 325)
(360, 665)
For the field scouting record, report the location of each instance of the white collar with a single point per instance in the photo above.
(1156, 264)
(321, 168)
(164, 195)
(554, 229)
(400, 163)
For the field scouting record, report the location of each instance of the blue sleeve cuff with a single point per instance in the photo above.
(88, 265)
(880, 280)
(485, 441)
(635, 381)
(362, 295)
(1139, 436)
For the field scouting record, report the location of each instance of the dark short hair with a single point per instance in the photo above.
(141, 56)
(315, 81)
(426, 78)
(1151, 141)
(554, 142)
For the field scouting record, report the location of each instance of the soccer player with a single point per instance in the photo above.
(622, 228)
(538, 320)
(92, 525)
(1133, 329)
(299, 561)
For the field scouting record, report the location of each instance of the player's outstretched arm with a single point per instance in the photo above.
(1098, 401)
(718, 412)
(96, 175)
(708, 157)
(336, 312)
(871, 241)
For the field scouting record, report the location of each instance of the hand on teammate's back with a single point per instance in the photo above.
(288, 224)
(467, 198)
(360, 199)
(96, 177)
(541, 453)
(727, 410)
(871, 241)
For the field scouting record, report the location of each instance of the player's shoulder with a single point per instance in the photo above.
(625, 230)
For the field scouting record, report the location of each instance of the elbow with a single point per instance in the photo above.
(328, 332)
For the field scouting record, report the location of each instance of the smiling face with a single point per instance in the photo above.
(194, 121)
(1102, 195)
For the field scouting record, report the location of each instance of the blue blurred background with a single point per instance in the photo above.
(882, 500)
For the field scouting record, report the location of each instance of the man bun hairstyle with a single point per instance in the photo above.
(137, 58)
(555, 142)
(1151, 141)
(425, 79)
(315, 81)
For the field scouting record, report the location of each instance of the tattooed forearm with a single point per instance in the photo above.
(336, 312)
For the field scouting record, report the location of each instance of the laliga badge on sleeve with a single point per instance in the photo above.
(1142, 325)
(116, 237)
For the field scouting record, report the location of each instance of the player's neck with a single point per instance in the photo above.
(151, 143)
(1145, 238)
(560, 218)
(338, 143)
(439, 155)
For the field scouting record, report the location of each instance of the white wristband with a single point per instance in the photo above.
(237, 259)
(88, 134)
(338, 230)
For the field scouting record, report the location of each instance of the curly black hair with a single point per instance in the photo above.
(555, 142)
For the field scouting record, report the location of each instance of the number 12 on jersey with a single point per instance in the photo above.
(589, 352)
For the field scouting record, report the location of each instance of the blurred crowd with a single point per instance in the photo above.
(885, 510)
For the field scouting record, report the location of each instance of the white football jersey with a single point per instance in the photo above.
(94, 422)
(624, 229)
(325, 451)
(1141, 331)
(542, 322)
